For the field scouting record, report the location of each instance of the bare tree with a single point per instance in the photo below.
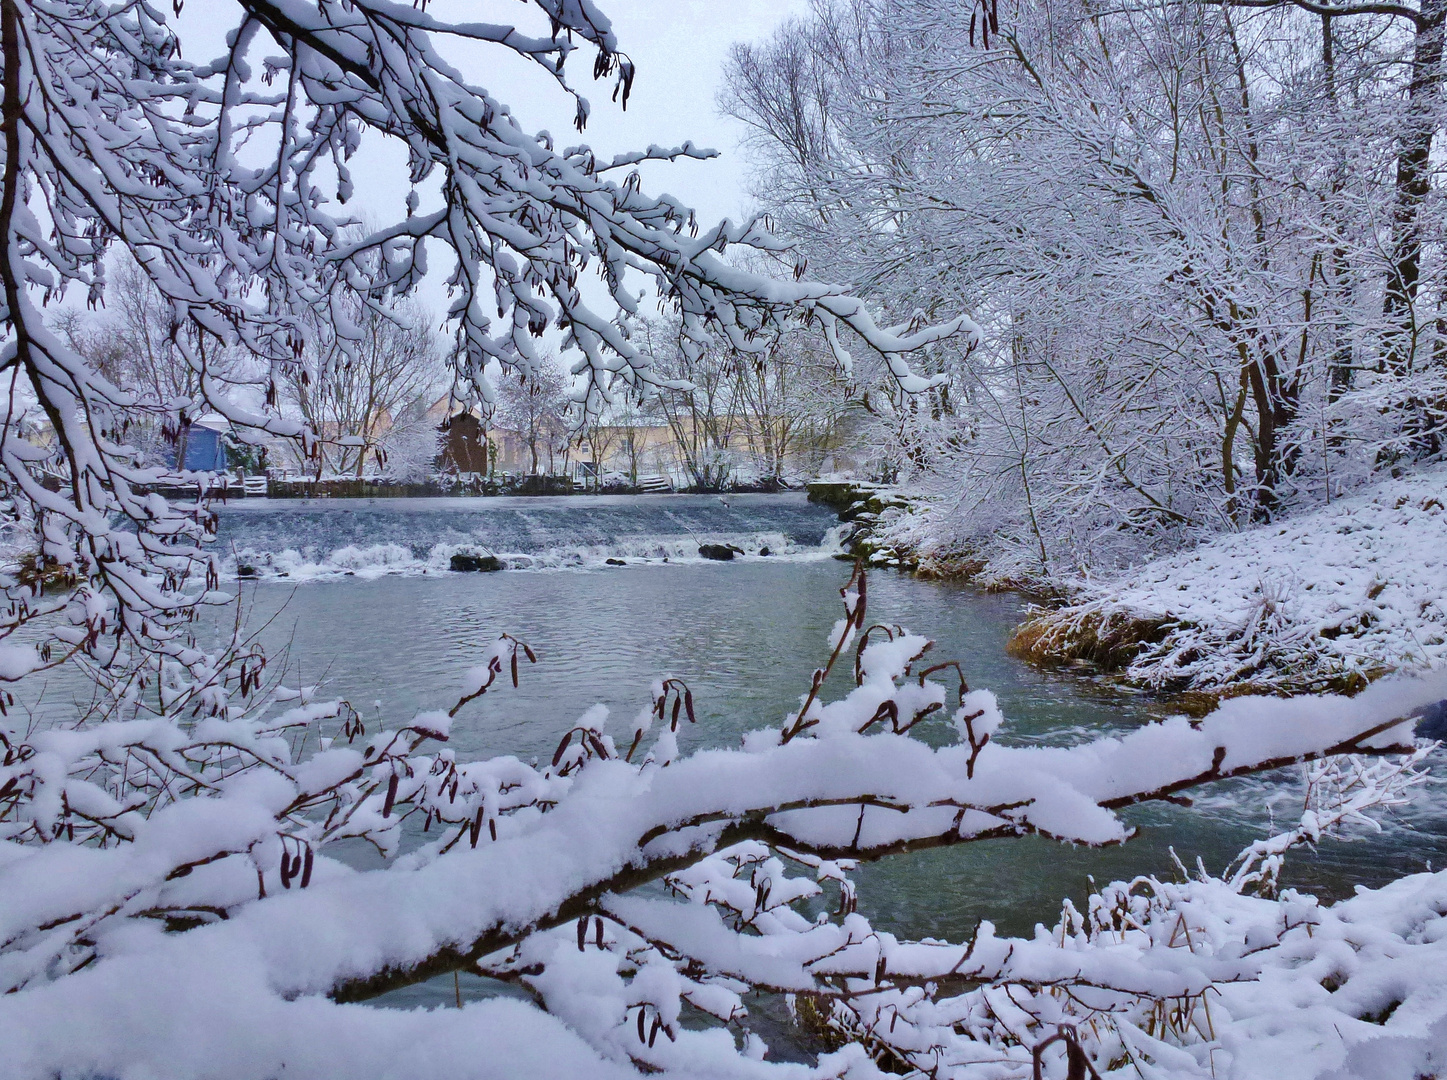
(627, 431)
(633, 421)
(135, 341)
(703, 410)
(792, 401)
(368, 386)
(536, 407)
(603, 439)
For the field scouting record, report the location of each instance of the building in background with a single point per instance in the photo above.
(205, 445)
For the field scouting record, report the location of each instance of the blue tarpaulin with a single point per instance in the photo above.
(205, 448)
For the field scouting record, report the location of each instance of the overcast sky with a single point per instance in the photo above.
(679, 47)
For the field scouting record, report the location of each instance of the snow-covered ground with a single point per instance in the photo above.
(1351, 589)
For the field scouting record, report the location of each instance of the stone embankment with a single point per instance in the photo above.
(869, 509)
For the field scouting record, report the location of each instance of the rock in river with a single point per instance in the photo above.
(1431, 720)
(720, 552)
(482, 563)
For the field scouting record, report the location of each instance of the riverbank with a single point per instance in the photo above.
(1327, 600)
(871, 513)
(1324, 601)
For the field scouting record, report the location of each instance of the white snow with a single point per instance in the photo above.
(1356, 586)
(242, 994)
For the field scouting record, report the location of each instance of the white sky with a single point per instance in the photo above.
(679, 47)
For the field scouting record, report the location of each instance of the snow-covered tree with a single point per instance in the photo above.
(536, 406)
(226, 181)
(1187, 228)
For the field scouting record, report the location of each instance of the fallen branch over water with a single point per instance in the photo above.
(523, 854)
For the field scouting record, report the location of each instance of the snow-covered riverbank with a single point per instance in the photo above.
(1330, 598)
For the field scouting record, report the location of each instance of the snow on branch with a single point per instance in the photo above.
(190, 854)
(227, 183)
(525, 220)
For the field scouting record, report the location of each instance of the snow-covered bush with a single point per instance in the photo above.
(168, 904)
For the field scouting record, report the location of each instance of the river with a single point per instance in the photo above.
(357, 594)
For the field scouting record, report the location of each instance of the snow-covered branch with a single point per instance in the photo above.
(212, 832)
(226, 183)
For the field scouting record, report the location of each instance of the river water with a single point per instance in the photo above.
(358, 594)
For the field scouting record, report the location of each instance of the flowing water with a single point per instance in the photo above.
(319, 538)
(358, 594)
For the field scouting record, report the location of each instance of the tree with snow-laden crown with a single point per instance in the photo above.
(1204, 239)
(168, 903)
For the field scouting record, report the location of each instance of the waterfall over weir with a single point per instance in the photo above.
(307, 538)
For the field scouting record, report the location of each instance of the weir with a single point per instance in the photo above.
(370, 537)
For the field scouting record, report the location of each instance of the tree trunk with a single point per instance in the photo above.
(183, 441)
(1339, 367)
(1414, 177)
